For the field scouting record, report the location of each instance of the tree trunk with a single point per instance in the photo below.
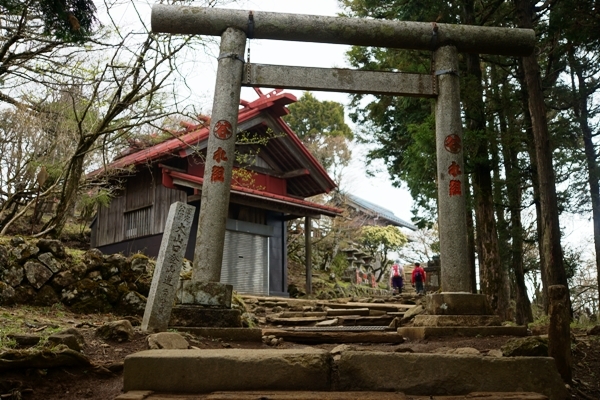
(68, 195)
(553, 263)
(582, 115)
(493, 279)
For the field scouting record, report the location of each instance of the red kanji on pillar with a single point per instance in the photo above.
(454, 169)
(218, 174)
(220, 155)
(455, 188)
(223, 129)
(453, 144)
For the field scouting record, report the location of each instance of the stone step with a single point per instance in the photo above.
(426, 332)
(371, 306)
(332, 312)
(365, 321)
(295, 321)
(300, 314)
(418, 374)
(335, 337)
(272, 395)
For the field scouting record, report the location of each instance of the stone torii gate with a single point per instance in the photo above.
(445, 40)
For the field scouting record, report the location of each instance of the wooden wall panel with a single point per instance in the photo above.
(139, 190)
(163, 198)
(109, 223)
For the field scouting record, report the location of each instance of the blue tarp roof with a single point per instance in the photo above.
(380, 211)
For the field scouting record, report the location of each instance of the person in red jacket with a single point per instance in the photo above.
(418, 278)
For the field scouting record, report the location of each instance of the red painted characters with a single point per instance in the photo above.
(223, 129)
(220, 155)
(455, 188)
(218, 174)
(453, 144)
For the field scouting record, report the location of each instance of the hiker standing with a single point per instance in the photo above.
(418, 278)
(397, 277)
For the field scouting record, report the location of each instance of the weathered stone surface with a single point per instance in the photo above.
(14, 275)
(533, 346)
(46, 296)
(205, 293)
(95, 275)
(25, 339)
(295, 321)
(457, 304)
(24, 294)
(594, 331)
(228, 334)
(7, 294)
(53, 246)
(49, 261)
(168, 267)
(340, 312)
(68, 340)
(37, 274)
(231, 369)
(166, 340)
(134, 395)
(457, 320)
(58, 357)
(93, 259)
(443, 374)
(64, 279)
(133, 303)
(424, 332)
(24, 251)
(121, 331)
(198, 316)
(412, 312)
(3, 258)
(140, 264)
(328, 322)
(495, 353)
(470, 351)
(335, 337)
(76, 333)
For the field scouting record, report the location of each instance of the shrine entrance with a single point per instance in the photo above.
(444, 40)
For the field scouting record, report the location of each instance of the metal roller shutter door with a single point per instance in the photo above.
(246, 263)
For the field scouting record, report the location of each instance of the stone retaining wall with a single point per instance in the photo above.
(41, 272)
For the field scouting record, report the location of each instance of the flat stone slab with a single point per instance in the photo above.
(348, 311)
(205, 371)
(457, 320)
(272, 395)
(300, 314)
(335, 337)
(228, 334)
(370, 306)
(457, 304)
(366, 321)
(443, 374)
(295, 321)
(425, 332)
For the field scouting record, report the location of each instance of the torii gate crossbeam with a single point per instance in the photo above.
(446, 41)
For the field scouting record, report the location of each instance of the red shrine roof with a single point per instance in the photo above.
(287, 154)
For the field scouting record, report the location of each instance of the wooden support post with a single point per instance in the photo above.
(308, 253)
(451, 174)
(214, 206)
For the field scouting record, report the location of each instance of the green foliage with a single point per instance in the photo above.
(339, 264)
(380, 241)
(67, 20)
(321, 127)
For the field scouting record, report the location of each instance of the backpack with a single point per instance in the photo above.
(396, 271)
(418, 276)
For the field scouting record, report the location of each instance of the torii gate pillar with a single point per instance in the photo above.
(205, 287)
(450, 173)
